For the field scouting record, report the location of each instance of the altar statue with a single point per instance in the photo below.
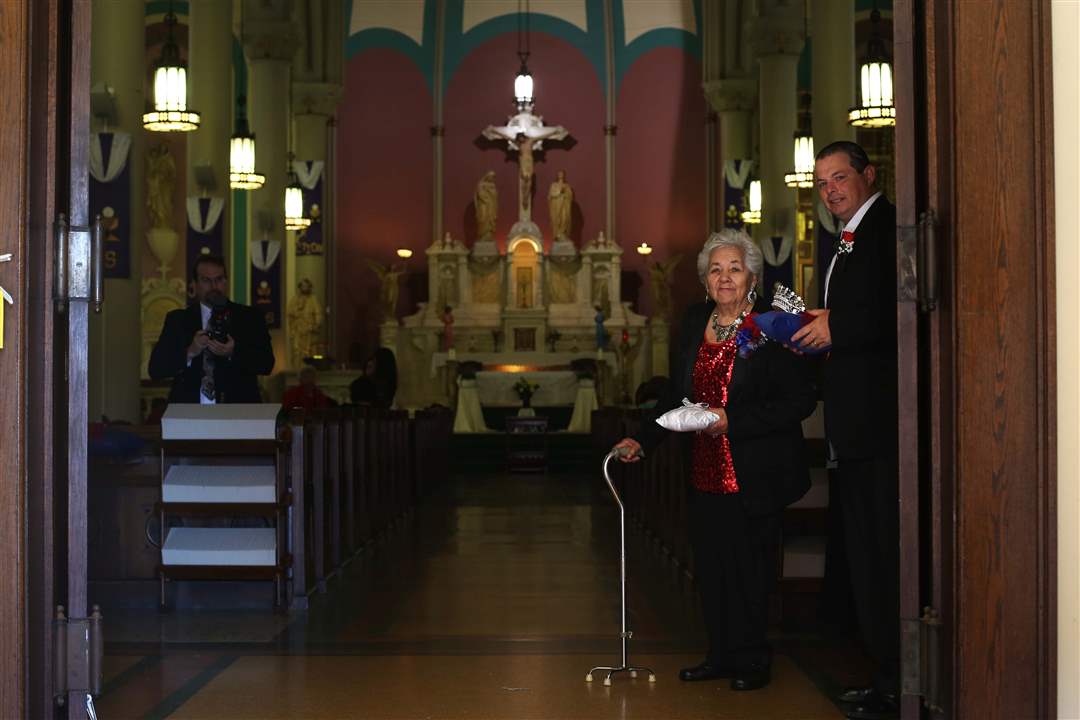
(160, 181)
(560, 204)
(448, 328)
(486, 200)
(305, 319)
(388, 287)
(660, 277)
(601, 333)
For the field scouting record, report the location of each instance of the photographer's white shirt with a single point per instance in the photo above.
(206, 312)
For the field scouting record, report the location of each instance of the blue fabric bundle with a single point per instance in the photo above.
(780, 326)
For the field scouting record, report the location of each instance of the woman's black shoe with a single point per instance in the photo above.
(869, 704)
(751, 679)
(705, 671)
(856, 694)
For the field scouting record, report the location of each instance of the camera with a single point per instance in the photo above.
(219, 325)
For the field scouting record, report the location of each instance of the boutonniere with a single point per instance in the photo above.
(847, 243)
(749, 336)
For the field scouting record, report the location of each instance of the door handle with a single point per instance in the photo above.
(97, 278)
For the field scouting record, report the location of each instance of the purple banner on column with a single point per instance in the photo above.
(734, 192)
(110, 197)
(266, 280)
(781, 272)
(205, 231)
(310, 240)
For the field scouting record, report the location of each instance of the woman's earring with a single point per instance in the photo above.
(751, 297)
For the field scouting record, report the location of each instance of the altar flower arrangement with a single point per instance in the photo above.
(525, 389)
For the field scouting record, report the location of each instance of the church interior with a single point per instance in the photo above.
(507, 198)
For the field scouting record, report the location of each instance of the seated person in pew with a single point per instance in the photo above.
(746, 466)
(214, 348)
(306, 394)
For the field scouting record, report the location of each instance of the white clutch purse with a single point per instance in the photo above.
(691, 417)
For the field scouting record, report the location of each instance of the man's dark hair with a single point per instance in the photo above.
(208, 260)
(856, 155)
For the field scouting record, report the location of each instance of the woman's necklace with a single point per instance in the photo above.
(726, 332)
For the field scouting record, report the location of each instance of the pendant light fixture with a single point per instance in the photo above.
(752, 215)
(294, 202)
(294, 192)
(170, 113)
(803, 174)
(523, 83)
(876, 108)
(242, 174)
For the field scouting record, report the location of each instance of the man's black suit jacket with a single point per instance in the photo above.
(235, 377)
(771, 392)
(860, 370)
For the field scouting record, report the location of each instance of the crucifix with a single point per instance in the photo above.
(526, 134)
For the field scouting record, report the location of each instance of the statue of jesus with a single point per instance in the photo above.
(525, 133)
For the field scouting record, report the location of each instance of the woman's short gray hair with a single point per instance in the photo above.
(730, 237)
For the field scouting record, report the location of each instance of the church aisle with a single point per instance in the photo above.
(492, 601)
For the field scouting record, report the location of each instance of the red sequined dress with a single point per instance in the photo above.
(712, 469)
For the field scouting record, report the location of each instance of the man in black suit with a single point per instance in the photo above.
(860, 388)
(207, 369)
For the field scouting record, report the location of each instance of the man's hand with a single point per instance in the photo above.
(719, 427)
(198, 344)
(220, 349)
(814, 334)
(634, 448)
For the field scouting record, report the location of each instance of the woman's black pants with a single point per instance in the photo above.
(734, 567)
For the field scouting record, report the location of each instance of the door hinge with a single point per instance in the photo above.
(920, 658)
(77, 654)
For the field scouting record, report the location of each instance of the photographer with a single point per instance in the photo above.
(214, 348)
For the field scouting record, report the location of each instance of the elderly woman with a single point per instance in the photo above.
(745, 467)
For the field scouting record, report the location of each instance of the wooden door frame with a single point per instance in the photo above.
(14, 119)
(981, 128)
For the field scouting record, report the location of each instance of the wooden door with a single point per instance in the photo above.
(54, 378)
(974, 209)
(14, 309)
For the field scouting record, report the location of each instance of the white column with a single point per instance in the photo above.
(833, 70)
(777, 39)
(269, 43)
(210, 92)
(118, 57)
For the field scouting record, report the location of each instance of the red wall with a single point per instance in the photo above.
(384, 196)
(385, 163)
(660, 168)
(480, 93)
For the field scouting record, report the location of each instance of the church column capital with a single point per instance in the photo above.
(779, 31)
(270, 39)
(315, 98)
(731, 94)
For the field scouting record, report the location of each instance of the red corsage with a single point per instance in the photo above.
(749, 337)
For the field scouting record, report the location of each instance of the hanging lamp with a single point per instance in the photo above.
(523, 82)
(752, 216)
(170, 113)
(242, 174)
(803, 174)
(876, 108)
(294, 202)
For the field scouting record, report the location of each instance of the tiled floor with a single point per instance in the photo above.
(492, 601)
